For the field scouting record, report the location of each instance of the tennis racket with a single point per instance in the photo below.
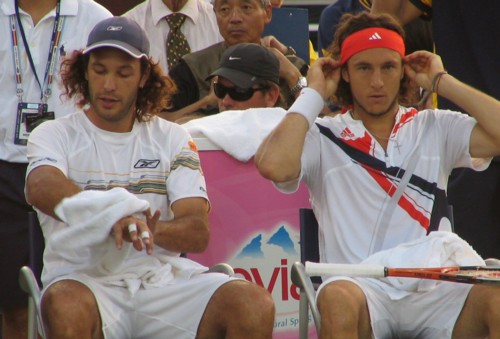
(462, 274)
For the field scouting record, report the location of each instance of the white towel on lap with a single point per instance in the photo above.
(91, 215)
(438, 249)
(238, 133)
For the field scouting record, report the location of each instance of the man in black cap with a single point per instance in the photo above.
(247, 77)
(95, 176)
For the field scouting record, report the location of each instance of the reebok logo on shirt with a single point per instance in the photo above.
(145, 163)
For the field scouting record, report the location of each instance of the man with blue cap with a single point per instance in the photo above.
(94, 178)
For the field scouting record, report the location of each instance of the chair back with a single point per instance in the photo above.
(309, 249)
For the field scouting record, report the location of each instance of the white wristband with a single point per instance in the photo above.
(309, 104)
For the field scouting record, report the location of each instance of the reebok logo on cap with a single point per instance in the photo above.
(121, 33)
(114, 28)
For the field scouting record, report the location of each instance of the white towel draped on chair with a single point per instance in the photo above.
(238, 133)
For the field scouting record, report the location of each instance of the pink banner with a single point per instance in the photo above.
(255, 229)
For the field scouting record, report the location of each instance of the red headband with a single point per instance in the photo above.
(374, 37)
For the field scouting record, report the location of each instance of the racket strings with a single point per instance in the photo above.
(480, 273)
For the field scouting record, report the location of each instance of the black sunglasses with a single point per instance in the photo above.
(236, 93)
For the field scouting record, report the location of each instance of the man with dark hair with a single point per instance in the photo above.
(248, 76)
(377, 176)
(94, 178)
(37, 35)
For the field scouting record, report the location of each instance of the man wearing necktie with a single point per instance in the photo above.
(176, 27)
(177, 44)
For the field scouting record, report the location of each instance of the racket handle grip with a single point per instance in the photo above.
(348, 270)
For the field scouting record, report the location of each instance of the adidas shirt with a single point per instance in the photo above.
(157, 161)
(349, 197)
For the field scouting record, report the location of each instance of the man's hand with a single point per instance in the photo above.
(136, 231)
(288, 71)
(270, 41)
(324, 76)
(422, 67)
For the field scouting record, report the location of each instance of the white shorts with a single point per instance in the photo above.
(421, 315)
(172, 311)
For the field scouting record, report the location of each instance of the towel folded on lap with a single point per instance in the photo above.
(438, 249)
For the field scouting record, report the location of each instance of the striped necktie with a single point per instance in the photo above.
(177, 45)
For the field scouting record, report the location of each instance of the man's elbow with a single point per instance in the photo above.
(275, 171)
(33, 190)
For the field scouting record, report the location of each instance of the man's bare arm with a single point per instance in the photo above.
(485, 137)
(279, 156)
(188, 231)
(428, 71)
(46, 186)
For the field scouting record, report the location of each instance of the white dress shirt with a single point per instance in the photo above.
(200, 27)
(80, 17)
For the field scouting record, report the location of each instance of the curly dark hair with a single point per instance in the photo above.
(152, 98)
(349, 24)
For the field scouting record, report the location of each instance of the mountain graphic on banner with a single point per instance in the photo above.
(280, 238)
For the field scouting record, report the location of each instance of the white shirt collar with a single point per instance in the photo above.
(68, 8)
(159, 10)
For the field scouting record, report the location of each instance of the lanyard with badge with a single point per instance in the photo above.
(30, 114)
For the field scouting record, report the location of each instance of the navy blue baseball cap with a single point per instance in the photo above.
(119, 32)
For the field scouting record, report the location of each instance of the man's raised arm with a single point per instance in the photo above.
(278, 157)
(428, 71)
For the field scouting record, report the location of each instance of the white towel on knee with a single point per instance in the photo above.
(438, 249)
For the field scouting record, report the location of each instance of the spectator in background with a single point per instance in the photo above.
(466, 36)
(199, 28)
(37, 99)
(247, 77)
(238, 21)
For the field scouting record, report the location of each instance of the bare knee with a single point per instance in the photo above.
(343, 309)
(15, 322)
(69, 310)
(238, 309)
(480, 316)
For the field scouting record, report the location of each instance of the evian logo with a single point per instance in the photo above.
(114, 28)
